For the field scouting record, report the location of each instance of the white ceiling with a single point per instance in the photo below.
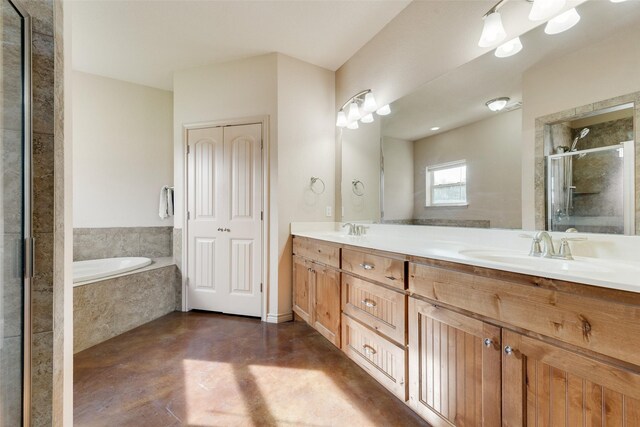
(145, 41)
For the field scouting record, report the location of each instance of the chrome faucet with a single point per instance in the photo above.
(542, 246)
(355, 229)
(352, 228)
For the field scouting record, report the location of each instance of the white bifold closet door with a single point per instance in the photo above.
(224, 225)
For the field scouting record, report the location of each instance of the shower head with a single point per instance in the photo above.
(584, 132)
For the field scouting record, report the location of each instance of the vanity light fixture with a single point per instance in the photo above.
(361, 108)
(509, 48)
(544, 9)
(384, 110)
(367, 118)
(493, 31)
(562, 22)
(497, 104)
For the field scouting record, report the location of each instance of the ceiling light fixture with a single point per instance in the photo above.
(562, 22)
(361, 108)
(509, 48)
(497, 104)
(617, 1)
(545, 9)
(435, 128)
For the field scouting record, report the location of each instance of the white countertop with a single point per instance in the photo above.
(603, 260)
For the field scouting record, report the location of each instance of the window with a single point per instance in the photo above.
(447, 184)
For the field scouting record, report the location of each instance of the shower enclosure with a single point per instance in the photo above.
(592, 190)
(16, 247)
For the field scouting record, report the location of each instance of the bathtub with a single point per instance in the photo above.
(98, 268)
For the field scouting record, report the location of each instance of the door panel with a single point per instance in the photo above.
(455, 377)
(225, 202)
(545, 385)
(301, 289)
(327, 303)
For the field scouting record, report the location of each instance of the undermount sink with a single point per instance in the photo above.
(525, 260)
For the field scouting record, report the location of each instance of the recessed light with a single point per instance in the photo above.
(435, 128)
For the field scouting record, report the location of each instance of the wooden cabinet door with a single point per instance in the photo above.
(545, 385)
(326, 317)
(454, 367)
(302, 288)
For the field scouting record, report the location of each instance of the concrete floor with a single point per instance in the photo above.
(205, 369)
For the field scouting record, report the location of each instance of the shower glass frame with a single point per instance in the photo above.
(28, 241)
(628, 188)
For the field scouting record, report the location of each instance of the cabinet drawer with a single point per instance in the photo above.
(383, 360)
(380, 308)
(315, 250)
(375, 267)
(600, 325)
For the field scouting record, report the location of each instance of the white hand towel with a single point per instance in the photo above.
(170, 201)
(163, 207)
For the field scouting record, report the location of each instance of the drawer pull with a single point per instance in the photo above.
(369, 350)
(369, 303)
(367, 266)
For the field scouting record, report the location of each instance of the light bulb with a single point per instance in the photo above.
(384, 110)
(544, 9)
(509, 48)
(354, 113)
(497, 104)
(562, 22)
(369, 105)
(353, 125)
(493, 31)
(342, 119)
(368, 118)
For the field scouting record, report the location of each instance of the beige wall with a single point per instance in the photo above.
(361, 161)
(603, 70)
(492, 150)
(123, 152)
(398, 178)
(298, 98)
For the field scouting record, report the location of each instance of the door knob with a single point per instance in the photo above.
(488, 342)
(508, 350)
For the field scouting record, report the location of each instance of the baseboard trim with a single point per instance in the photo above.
(280, 318)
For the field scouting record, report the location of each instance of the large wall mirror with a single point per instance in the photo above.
(559, 155)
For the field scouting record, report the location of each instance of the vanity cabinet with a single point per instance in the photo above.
(316, 287)
(454, 367)
(544, 384)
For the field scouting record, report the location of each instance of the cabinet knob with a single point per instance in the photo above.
(369, 350)
(367, 266)
(488, 342)
(368, 302)
(508, 350)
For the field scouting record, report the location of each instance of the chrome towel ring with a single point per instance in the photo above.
(357, 187)
(315, 187)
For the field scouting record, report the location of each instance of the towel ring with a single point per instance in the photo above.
(314, 187)
(357, 187)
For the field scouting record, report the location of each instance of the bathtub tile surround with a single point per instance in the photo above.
(177, 247)
(97, 243)
(109, 307)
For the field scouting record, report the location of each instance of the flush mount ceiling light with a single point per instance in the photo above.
(435, 128)
(497, 104)
(617, 1)
(562, 22)
(509, 48)
(360, 108)
(545, 9)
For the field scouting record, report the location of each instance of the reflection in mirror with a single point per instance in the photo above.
(421, 147)
(590, 172)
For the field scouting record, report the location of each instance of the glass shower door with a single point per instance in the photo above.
(15, 225)
(592, 190)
